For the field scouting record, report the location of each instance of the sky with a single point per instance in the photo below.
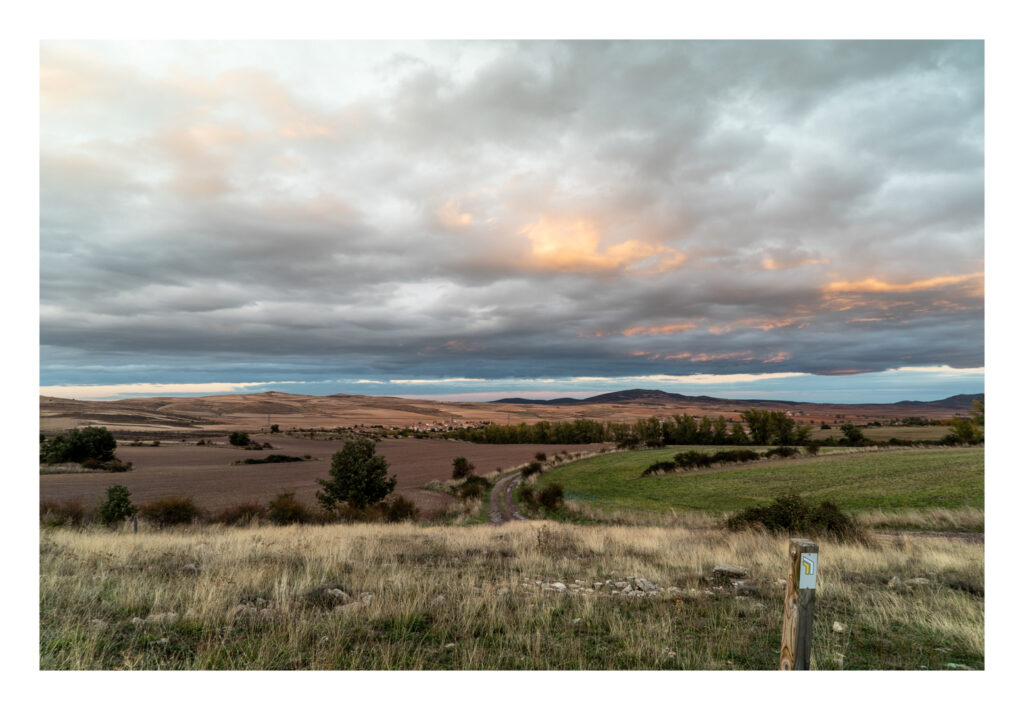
(801, 220)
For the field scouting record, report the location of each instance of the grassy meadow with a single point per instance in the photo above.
(487, 597)
(857, 480)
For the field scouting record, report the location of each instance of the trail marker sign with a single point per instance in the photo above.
(808, 570)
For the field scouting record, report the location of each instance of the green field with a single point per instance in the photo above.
(856, 481)
(884, 433)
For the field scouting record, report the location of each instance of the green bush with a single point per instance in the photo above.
(116, 507)
(659, 467)
(167, 512)
(239, 438)
(274, 428)
(285, 510)
(78, 445)
(551, 497)
(783, 452)
(532, 468)
(540, 456)
(792, 514)
(400, 509)
(461, 467)
(472, 487)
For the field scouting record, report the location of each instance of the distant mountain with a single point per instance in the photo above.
(649, 397)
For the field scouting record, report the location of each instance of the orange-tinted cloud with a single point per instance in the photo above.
(660, 329)
(576, 245)
(451, 215)
(873, 285)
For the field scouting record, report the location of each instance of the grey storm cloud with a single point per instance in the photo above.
(491, 209)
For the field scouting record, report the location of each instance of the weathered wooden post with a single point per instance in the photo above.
(798, 612)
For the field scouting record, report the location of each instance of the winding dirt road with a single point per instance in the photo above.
(503, 505)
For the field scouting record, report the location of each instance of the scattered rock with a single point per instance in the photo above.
(438, 600)
(646, 585)
(449, 645)
(917, 581)
(958, 667)
(558, 586)
(99, 624)
(191, 569)
(745, 587)
(163, 641)
(577, 620)
(136, 620)
(895, 582)
(838, 628)
(730, 571)
(328, 596)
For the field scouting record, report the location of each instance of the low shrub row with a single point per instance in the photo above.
(549, 498)
(284, 509)
(688, 460)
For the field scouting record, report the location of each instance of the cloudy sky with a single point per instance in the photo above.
(798, 219)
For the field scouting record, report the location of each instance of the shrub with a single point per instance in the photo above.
(116, 466)
(783, 452)
(852, 435)
(274, 429)
(532, 468)
(91, 464)
(472, 487)
(357, 476)
(116, 507)
(528, 496)
(792, 514)
(170, 511)
(68, 513)
(241, 515)
(540, 456)
(400, 509)
(551, 497)
(735, 456)
(659, 467)
(461, 467)
(239, 438)
(273, 458)
(77, 445)
(692, 459)
(813, 448)
(285, 510)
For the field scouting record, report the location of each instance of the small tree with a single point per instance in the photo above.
(239, 438)
(274, 428)
(852, 435)
(357, 477)
(461, 467)
(117, 506)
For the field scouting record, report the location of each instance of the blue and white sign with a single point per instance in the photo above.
(808, 570)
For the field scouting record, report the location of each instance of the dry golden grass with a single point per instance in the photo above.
(468, 597)
(938, 519)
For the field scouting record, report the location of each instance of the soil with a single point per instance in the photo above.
(208, 475)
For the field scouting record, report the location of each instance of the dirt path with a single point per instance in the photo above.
(503, 505)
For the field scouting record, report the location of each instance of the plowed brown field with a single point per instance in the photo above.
(208, 476)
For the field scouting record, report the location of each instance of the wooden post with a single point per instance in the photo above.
(798, 612)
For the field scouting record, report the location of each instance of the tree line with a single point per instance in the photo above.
(757, 426)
